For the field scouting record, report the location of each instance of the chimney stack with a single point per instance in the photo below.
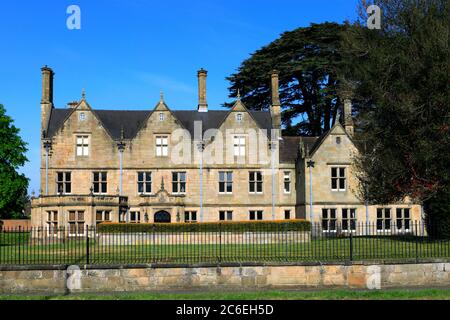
(47, 96)
(275, 109)
(348, 119)
(202, 104)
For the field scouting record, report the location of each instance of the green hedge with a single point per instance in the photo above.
(259, 226)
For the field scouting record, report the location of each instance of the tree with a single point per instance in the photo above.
(13, 186)
(308, 60)
(400, 80)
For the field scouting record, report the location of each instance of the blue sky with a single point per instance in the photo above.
(127, 51)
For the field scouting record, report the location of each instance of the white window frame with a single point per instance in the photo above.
(338, 178)
(329, 218)
(287, 180)
(350, 219)
(82, 116)
(77, 221)
(226, 181)
(239, 146)
(145, 182)
(178, 182)
(225, 215)
(162, 145)
(255, 182)
(258, 215)
(190, 216)
(287, 212)
(105, 216)
(239, 117)
(82, 145)
(137, 216)
(402, 219)
(52, 223)
(161, 116)
(64, 182)
(100, 182)
(384, 218)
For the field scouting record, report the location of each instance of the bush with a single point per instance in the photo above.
(437, 210)
(245, 226)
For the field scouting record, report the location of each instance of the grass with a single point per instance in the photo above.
(16, 249)
(403, 294)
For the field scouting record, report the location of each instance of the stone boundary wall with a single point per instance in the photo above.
(125, 239)
(19, 280)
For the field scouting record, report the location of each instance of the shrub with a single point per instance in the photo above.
(244, 226)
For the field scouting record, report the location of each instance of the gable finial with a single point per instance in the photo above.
(122, 135)
(83, 94)
(161, 96)
(238, 94)
(162, 184)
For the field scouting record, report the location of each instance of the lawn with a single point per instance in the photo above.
(403, 294)
(17, 249)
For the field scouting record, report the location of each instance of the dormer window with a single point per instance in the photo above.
(161, 116)
(239, 117)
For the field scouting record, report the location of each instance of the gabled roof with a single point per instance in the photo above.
(130, 121)
(133, 120)
(289, 147)
(322, 138)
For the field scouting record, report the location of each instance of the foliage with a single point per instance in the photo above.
(13, 185)
(244, 226)
(308, 60)
(401, 84)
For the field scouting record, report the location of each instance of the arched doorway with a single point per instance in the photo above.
(162, 217)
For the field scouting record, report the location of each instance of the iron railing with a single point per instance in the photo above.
(325, 242)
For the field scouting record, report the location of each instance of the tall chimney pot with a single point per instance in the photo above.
(202, 104)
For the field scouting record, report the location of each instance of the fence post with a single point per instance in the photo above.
(351, 245)
(87, 244)
(220, 242)
(20, 234)
(417, 242)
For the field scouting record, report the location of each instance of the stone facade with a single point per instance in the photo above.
(80, 143)
(153, 278)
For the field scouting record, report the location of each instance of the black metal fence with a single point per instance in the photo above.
(81, 245)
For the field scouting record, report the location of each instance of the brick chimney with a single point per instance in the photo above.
(275, 109)
(348, 119)
(202, 104)
(47, 96)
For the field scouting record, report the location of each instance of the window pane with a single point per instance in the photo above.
(140, 187)
(334, 172)
(95, 176)
(387, 213)
(221, 187)
(229, 187)
(230, 176)
(68, 188)
(342, 172)
(344, 213)
(140, 176)
(399, 213)
(379, 213)
(342, 184)
(324, 213)
(333, 183)
(406, 212)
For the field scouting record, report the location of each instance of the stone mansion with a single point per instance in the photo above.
(202, 165)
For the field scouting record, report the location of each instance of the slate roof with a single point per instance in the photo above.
(132, 120)
(290, 147)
